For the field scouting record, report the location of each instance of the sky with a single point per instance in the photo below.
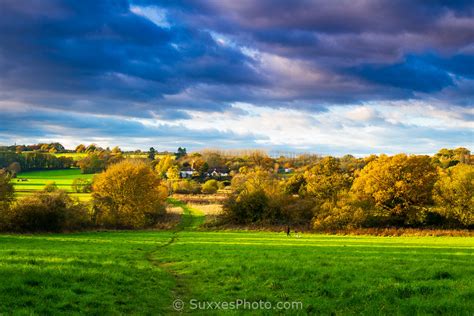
(328, 77)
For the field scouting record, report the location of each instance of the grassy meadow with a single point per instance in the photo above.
(144, 272)
(79, 156)
(36, 180)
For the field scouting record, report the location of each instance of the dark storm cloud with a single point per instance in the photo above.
(48, 124)
(101, 56)
(100, 49)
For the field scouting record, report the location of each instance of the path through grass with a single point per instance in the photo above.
(143, 272)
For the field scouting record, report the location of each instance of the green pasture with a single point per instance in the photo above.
(75, 156)
(36, 180)
(79, 156)
(143, 272)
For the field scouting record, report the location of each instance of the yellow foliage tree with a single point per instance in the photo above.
(164, 164)
(399, 186)
(454, 193)
(128, 195)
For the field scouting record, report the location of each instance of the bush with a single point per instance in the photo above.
(343, 213)
(50, 186)
(186, 187)
(128, 195)
(80, 185)
(246, 208)
(210, 187)
(47, 212)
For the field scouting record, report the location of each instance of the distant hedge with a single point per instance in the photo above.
(34, 160)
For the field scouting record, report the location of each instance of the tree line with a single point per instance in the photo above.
(323, 193)
(344, 193)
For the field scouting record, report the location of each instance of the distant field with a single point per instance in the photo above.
(144, 272)
(36, 180)
(75, 156)
(78, 156)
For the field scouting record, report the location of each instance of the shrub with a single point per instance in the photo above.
(128, 195)
(186, 187)
(80, 185)
(47, 211)
(50, 186)
(210, 187)
(247, 207)
(342, 213)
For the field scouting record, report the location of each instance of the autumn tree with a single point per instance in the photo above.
(398, 187)
(173, 173)
(14, 168)
(454, 194)
(164, 165)
(326, 179)
(91, 148)
(7, 192)
(128, 195)
(80, 148)
(257, 197)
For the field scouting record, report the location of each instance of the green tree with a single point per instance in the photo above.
(151, 153)
(180, 153)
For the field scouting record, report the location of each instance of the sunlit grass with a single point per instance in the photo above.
(346, 275)
(38, 179)
(143, 272)
(91, 273)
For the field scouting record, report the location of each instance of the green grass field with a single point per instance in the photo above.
(74, 156)
(38, 179)
(144, 272)
(79, 156)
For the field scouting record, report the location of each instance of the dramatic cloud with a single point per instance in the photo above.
(175, 72)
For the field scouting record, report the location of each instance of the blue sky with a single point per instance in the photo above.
(329, 77)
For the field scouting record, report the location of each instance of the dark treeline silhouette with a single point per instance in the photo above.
(33, 161)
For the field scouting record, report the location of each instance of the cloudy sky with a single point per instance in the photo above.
(327, 77)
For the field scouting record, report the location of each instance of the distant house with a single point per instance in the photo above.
(186, 172)
(285, 170)
(218, 172)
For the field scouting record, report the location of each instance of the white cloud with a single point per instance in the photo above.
(155, 14)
